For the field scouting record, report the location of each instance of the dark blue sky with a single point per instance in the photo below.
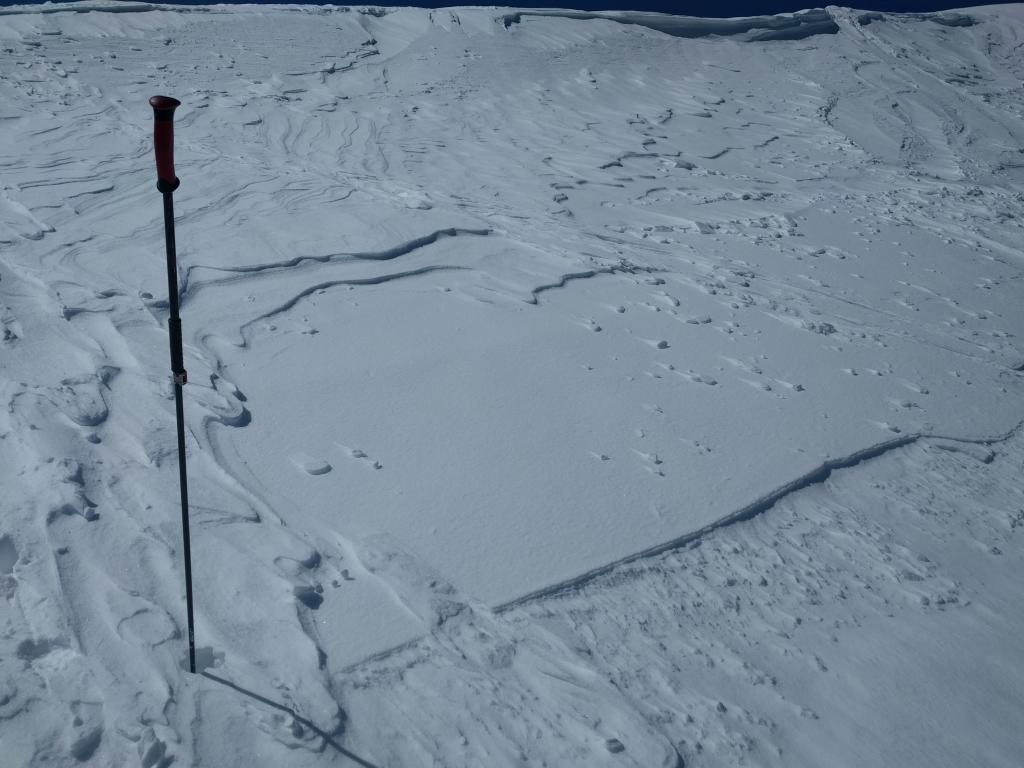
(714, 8)
(726, 8)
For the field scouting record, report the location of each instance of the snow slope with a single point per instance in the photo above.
(566, 365)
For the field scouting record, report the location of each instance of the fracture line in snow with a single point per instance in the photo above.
(376, 280)
(188, 289)
(387, 254)
(763, 504)
(565, 279)
(628, 269)
(816, 476)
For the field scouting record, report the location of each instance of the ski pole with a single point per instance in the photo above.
(167, 182)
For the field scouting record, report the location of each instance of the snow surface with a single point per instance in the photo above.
(565, 388)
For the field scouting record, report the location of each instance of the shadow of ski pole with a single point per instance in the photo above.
(328, 739)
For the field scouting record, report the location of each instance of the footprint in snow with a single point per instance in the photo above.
(361, 455)
(8, 555)
(652, 462)
(310, 465)
(692, 376)
(299, 564)
(310, 596)
(656, 343)
(8, 582)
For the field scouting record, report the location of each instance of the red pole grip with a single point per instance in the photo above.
(163, 141)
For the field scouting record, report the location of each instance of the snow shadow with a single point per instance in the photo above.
(328, 739)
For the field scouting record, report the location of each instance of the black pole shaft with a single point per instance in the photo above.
(180, 377)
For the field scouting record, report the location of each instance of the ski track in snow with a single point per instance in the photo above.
(449, 279)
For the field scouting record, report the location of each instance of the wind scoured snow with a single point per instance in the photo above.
(562, 390)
